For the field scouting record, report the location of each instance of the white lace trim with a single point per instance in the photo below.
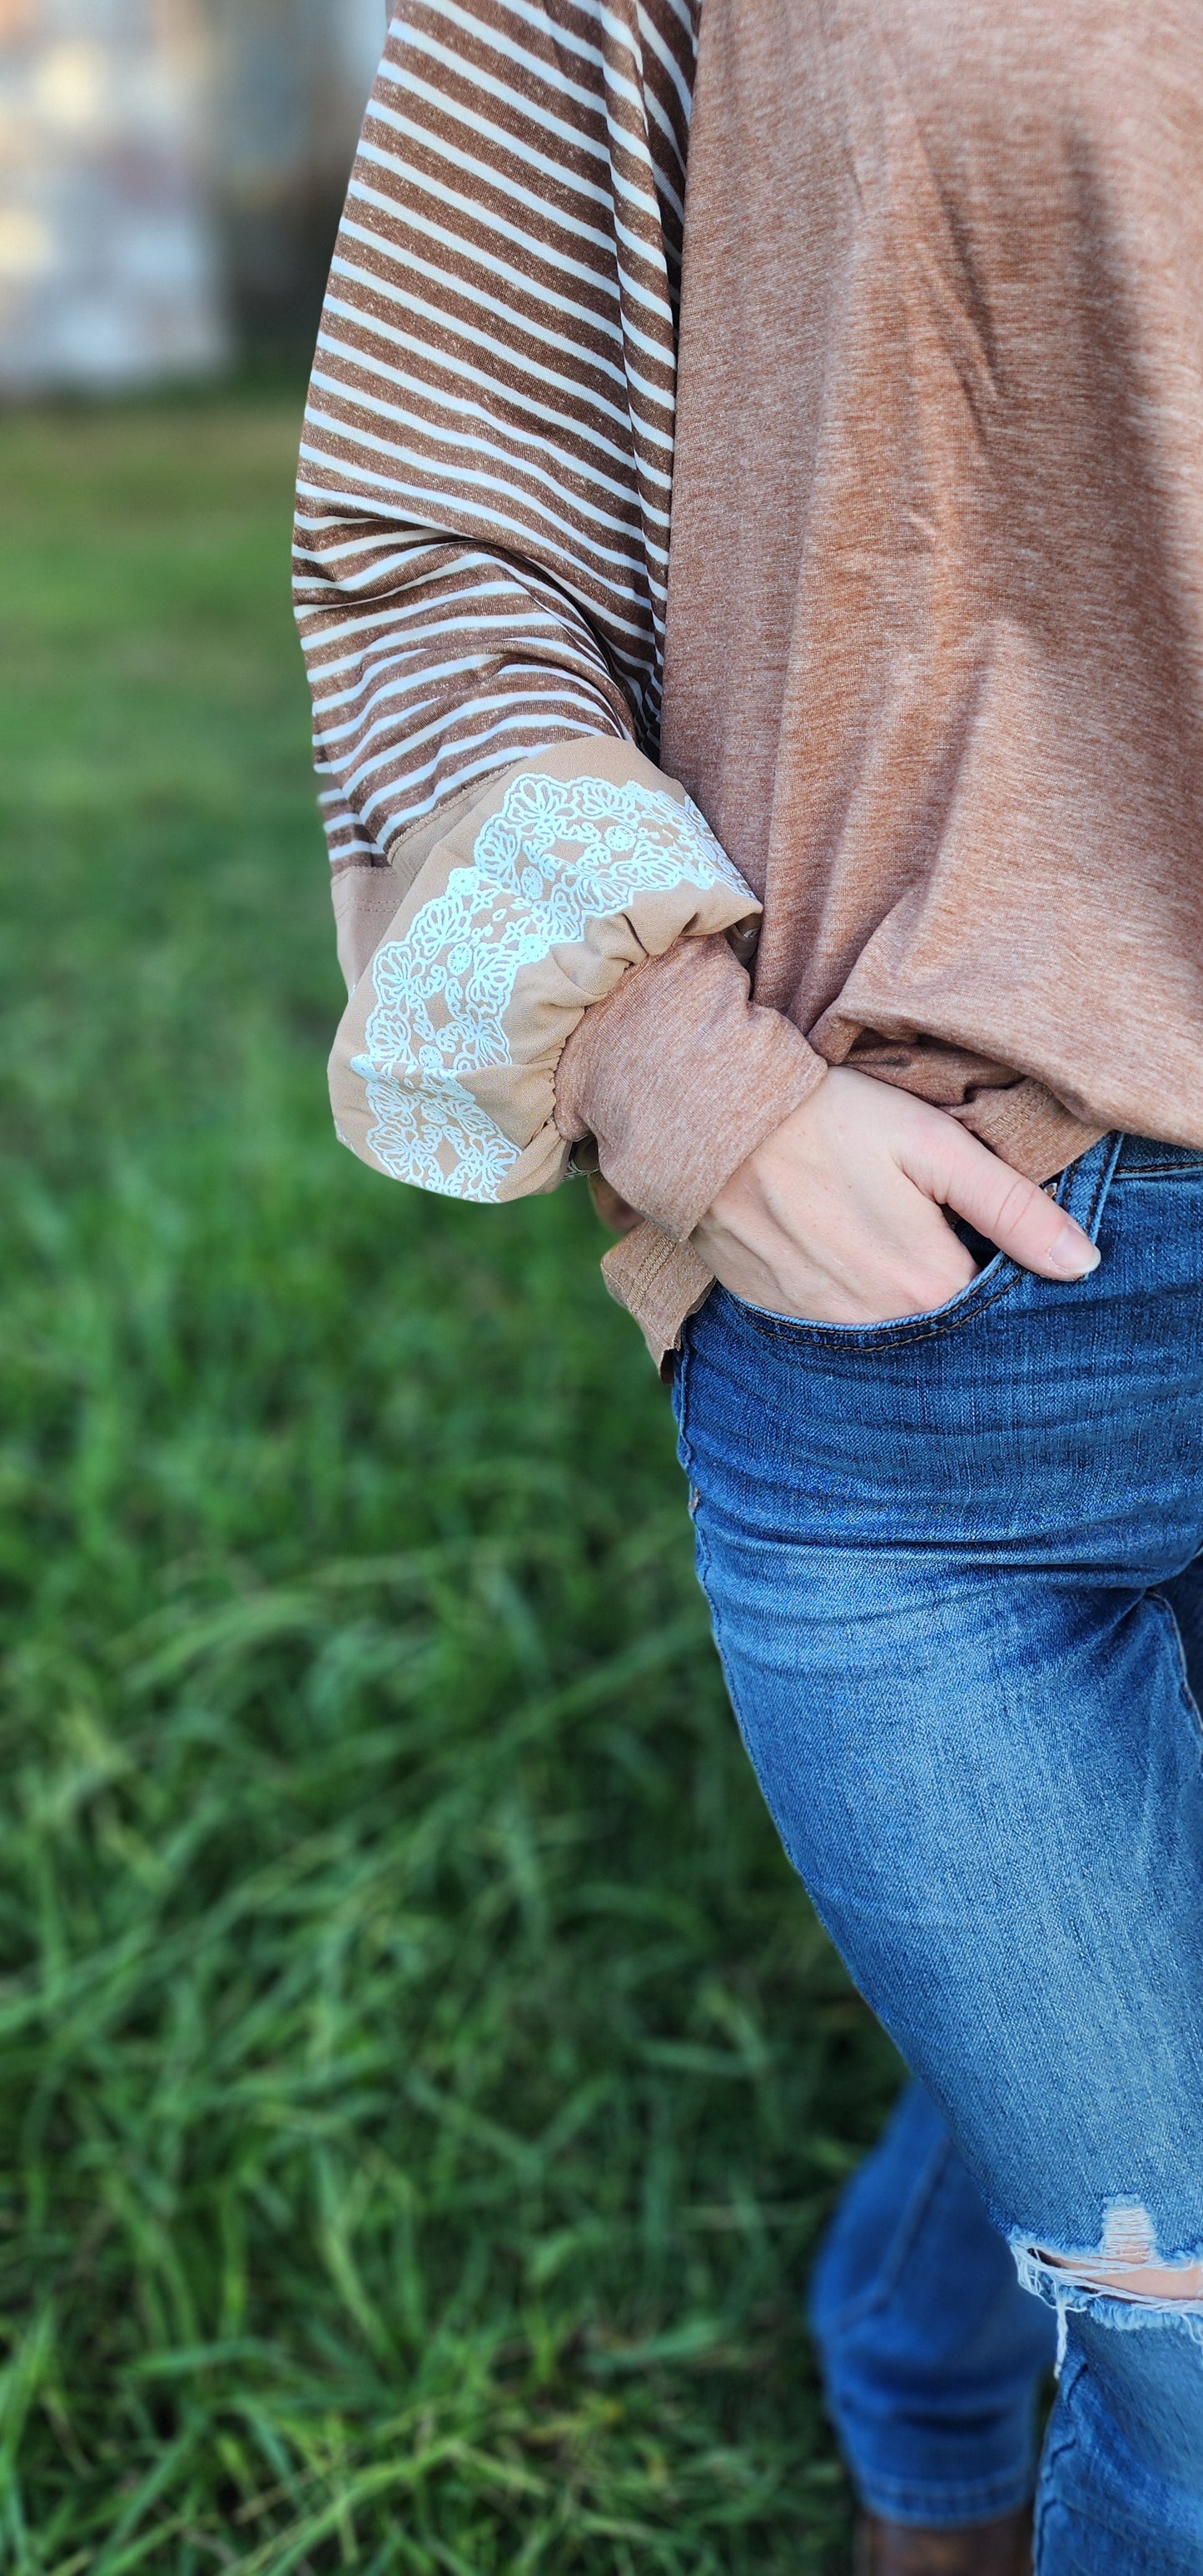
(558, 854)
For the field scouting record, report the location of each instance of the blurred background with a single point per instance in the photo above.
(421, 2082)
(171, 173)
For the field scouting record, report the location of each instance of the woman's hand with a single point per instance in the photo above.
(837, 1218)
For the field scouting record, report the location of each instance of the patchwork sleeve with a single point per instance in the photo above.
(481, 563)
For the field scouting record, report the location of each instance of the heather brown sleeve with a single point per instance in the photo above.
(481, 570)
(678, 1075)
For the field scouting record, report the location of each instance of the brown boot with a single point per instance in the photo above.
(977, 2549)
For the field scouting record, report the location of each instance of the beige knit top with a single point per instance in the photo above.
(895, 309)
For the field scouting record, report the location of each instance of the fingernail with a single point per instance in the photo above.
(1074, 1255)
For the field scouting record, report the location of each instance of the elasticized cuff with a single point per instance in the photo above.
(525, 910)
(679, 1075)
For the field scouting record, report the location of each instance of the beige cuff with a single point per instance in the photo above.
(562, 878)
(679, 1075)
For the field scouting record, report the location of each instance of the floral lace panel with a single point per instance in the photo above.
(558, 854)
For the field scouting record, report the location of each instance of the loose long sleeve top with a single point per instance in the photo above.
(750, 566)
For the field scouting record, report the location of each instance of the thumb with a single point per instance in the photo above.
(1009, 1210)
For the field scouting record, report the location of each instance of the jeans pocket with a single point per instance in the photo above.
(1082, 1190)
(989, 1285)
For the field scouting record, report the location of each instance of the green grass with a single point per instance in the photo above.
(421, 2081)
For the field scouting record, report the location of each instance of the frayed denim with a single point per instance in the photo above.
(954, 1566)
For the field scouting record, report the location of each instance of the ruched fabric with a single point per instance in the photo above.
(569, 871)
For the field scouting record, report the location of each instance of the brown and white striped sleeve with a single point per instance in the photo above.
(481, 566)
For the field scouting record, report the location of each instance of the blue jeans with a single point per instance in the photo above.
(955, 1566)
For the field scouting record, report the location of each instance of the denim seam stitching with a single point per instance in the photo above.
(1101, 1186)
(857, 1337)
(702, 1563)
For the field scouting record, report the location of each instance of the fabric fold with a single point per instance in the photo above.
(678, 1077)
